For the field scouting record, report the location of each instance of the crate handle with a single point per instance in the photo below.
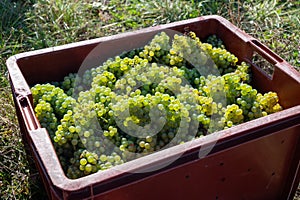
(28, 113)
(264, 51)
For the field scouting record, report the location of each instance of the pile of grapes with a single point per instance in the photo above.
(174, 89)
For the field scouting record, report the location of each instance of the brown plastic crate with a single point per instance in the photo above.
(255, 160)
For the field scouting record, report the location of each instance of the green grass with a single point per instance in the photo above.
(34, 24)
(14, 168)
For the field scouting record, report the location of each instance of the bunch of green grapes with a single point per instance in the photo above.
(51, 103)
(233, 115)
(269, 102)
(157, 49)
(46, 116)
(215, 41)
(170, 91)
(187, 52)
(85, 162)
(224, 60)
(68, 84)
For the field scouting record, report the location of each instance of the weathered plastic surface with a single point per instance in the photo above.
(255, 160)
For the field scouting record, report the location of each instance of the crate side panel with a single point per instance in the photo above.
(254, 170)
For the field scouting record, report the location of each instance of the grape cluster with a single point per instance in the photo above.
(168, 92)
(215, 41)
(157, 49)
(188, 52)
(51, 104)
(225, 61)
(85, 162)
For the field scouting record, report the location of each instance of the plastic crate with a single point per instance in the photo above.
(258, 159)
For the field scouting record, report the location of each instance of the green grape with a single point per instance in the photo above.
(83, 161)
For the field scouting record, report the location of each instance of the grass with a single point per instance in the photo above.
(14, 168)
(34, 24)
